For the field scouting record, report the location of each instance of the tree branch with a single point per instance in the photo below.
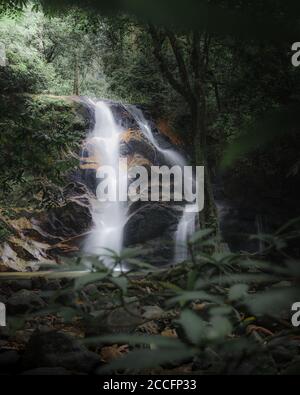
(157, 41)
(197, 64)
(183, 72)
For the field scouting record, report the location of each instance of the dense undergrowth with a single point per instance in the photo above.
(218, 312)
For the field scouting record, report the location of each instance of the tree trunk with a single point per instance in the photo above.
(208, 217)
(76, 76)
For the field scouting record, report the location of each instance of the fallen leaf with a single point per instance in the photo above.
(168, 332)
(113, 352)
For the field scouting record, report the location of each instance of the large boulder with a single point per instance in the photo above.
(24, 301)
(57, 349)
(147, 221)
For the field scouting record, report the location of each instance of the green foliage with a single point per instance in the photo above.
(215, 297)
(230, 320)
(25, 69)
(39, 134)
(280, 122)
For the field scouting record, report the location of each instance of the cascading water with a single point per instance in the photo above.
(187, 224)
(186, 228)
(108, 216)
(170, 155)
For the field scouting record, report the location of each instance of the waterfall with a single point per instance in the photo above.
(171, 156)
(186, 228)
(259, 229)
(187, 224)
(108, 217)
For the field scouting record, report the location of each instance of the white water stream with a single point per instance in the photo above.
(187, 224)
(186, 228)
(109, 218)
(172, 157)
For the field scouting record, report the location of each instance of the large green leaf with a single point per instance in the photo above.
(194, 327)
(121, 282)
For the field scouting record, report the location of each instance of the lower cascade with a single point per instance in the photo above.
(160, 228)
(108, 217)
(186, 228)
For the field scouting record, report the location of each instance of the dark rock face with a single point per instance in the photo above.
(58, 350)
(148, 221)
(67, 221)
(134, 142)
(152, 226)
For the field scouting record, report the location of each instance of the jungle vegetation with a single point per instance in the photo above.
(220, 73)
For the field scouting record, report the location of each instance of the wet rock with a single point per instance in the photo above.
(44, 284)
(262, 364)
(147, 222)
(119, 320)
(24, 301)
(134, 142)
(23, 336)
(3, 298)
(152, 312)
(92, 293)
(3, 344)
(57, 349)
(283, 350)
(10, 261)
(67, 221)
(17, 285)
